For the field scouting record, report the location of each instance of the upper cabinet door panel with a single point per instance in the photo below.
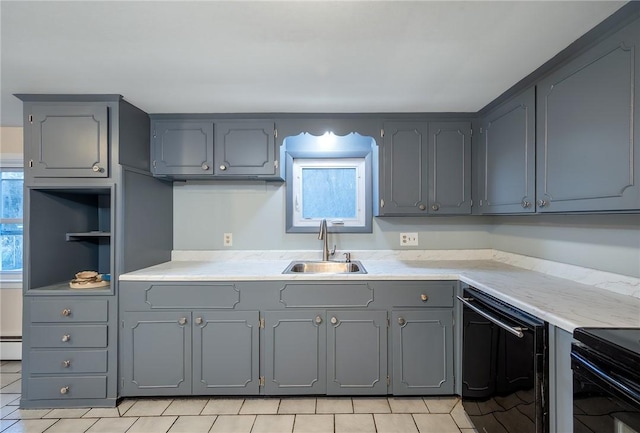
(507, 157)
(182, 147)
(404, 169)
(589, 129)
(245, 148)
(69, 140)
(449, 168)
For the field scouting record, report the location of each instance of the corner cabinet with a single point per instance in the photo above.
(506, 157)
(588, 132)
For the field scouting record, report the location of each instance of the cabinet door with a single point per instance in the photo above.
(69, 141)
(156, 353)
(449, 168)
(295, 352)
(225, 352)
(422, 352)
(588, 150)
(507, 157)
(245, 148)
(356, 352)
(403, 188)
(182, 147)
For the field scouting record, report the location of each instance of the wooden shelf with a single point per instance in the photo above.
(83, 236)
(65, 286)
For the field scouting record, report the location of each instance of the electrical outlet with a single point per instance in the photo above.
(408, 239)
(228, 239)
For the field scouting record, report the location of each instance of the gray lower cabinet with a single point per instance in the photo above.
(184, 353)
(506, 157)
(245, 148)
(422, 352)
(588, 129)
(449, 168)
(182, 147)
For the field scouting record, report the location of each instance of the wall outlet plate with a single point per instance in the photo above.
(228, 239)
(408, 239)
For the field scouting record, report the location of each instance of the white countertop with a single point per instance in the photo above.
(562, 302)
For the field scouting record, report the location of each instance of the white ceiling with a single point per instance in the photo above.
(293, 56)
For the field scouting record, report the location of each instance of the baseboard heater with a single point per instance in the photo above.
(11, 348)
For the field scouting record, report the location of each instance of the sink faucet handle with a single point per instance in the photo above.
(333, 251)
(347, 257)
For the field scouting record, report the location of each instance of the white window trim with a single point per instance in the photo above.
(357, 163)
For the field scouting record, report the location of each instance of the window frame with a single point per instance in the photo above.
(13, 163)
(365, 149)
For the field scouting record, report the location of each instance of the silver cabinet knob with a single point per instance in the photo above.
(334, 320)
(97, 169)
(401, 321)
(424, 297)
(525, 204)
(66, 312)
(205, 166)
(182, 321)
(435, 207)
(198, 320)
(64, 390)
(66, 338)
(542, 203)
(319, 320)
(422, 207)
(66, 364)
(223, 167)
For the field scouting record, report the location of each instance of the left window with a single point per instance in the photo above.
(11, 226)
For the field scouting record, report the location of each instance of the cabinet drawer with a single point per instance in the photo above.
(162, 296)
(68, 336)
(326, 295)
(68, 361)
(69, 310)
(427, 294)
(45, 388)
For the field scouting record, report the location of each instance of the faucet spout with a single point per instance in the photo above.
(323, 236)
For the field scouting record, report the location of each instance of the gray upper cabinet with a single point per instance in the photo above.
(68, 140)
(245, 148)
(403, 171)
(506, 157)
(449, 168)
(588, 131)
(182, 147)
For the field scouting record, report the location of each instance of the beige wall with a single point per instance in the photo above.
(10, 140)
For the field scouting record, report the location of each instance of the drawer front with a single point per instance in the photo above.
(68, 361)
(45, 388)
(68, 336)
(69, 310)
(326, 295)
(427, 294)
(163, 296)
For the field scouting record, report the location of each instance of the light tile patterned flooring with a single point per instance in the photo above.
(234, 415)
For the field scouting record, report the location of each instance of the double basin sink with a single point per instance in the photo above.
(310, 267)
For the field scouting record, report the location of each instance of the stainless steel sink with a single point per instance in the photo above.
(306, 267)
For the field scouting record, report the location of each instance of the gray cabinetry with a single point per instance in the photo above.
(182, 147)
(245, 148)
(506, 157)
(449, 168)
(422, 351)
(404, 170)
(588, 130)
(67, 140)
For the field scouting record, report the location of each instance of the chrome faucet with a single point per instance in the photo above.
(324, 236)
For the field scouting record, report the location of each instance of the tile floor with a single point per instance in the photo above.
(234, 415)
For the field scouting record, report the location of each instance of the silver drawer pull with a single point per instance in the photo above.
(66, 312)
(66, 363)
(318, 320)
(424, 297)
(334, 320)
(223, 167)
(401, 321)
(205, 166)
(97, 169)
(182, 321)
(198, 320)
(64, 390)
(66, 338)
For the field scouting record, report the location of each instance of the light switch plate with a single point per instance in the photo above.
(408, 239)
(228, 239)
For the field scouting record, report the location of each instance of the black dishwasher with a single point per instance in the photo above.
(504, 365)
